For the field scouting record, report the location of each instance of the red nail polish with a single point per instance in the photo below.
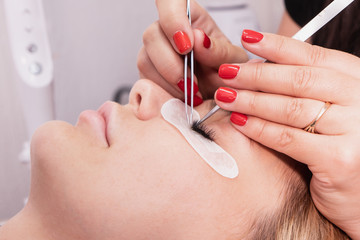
(197, 101)
(182, 41)
(207, 41)
(250, 36)
(226, 95)
(238, 119)
(228, 71)
(181, 85)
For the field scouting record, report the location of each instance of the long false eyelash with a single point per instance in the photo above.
(203, 131)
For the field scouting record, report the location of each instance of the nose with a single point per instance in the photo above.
(146, 98)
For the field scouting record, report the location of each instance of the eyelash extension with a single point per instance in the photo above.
(203, 131)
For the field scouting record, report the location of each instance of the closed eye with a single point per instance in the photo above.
(203, 131)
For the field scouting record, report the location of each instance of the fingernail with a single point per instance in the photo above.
(197, 101)
(226, 95)
(238, 118)
(251, 36)
(207, 41)
(182, 41)
(228, 71)
(181, 85)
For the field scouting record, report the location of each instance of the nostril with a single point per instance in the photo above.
(138, 99)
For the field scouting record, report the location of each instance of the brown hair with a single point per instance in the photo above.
(343, 32)
(297, 217)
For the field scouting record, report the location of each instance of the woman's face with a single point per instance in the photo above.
(124, 172)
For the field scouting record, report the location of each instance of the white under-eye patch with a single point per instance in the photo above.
(173, 111)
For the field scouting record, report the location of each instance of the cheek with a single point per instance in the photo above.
(57, 144)
(63, 167)
(158, 178)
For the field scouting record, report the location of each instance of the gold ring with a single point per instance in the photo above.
(311, 127)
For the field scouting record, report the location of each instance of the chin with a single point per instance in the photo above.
(47, 136)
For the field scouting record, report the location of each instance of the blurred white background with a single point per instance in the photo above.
(94, 48)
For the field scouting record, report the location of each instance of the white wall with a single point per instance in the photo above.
(95, 45)
(269, 13)
(13, 176)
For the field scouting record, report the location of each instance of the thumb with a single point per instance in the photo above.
(175, 24)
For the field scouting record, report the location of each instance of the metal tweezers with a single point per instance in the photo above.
(189, 116)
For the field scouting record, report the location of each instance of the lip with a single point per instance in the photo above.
(96, 122)
(105, 112)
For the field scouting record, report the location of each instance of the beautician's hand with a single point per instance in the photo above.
(277, 101)
(164, 41)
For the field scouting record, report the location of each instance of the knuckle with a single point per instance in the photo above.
(345, 158)
(223, 51)
(141, 61)
(280, 45)
(303, 79)
(257, 74)
(345, 162)
(280, 142)
(285, 138)
(294, 110)
(253, 99)
(150, 34)
(317, 55)
(260, 133)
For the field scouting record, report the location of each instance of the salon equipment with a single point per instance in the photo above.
(306, 32)
(189, 116)
(32, 59)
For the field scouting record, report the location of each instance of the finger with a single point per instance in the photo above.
(294, 112)
(212, 52)
(165, 60)
(285, 50)
(175, 23)
(255, 60)
(147, 70)
(298, 81)
(296, 143)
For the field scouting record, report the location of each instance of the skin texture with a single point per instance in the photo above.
(303, 78)
(123, 172)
